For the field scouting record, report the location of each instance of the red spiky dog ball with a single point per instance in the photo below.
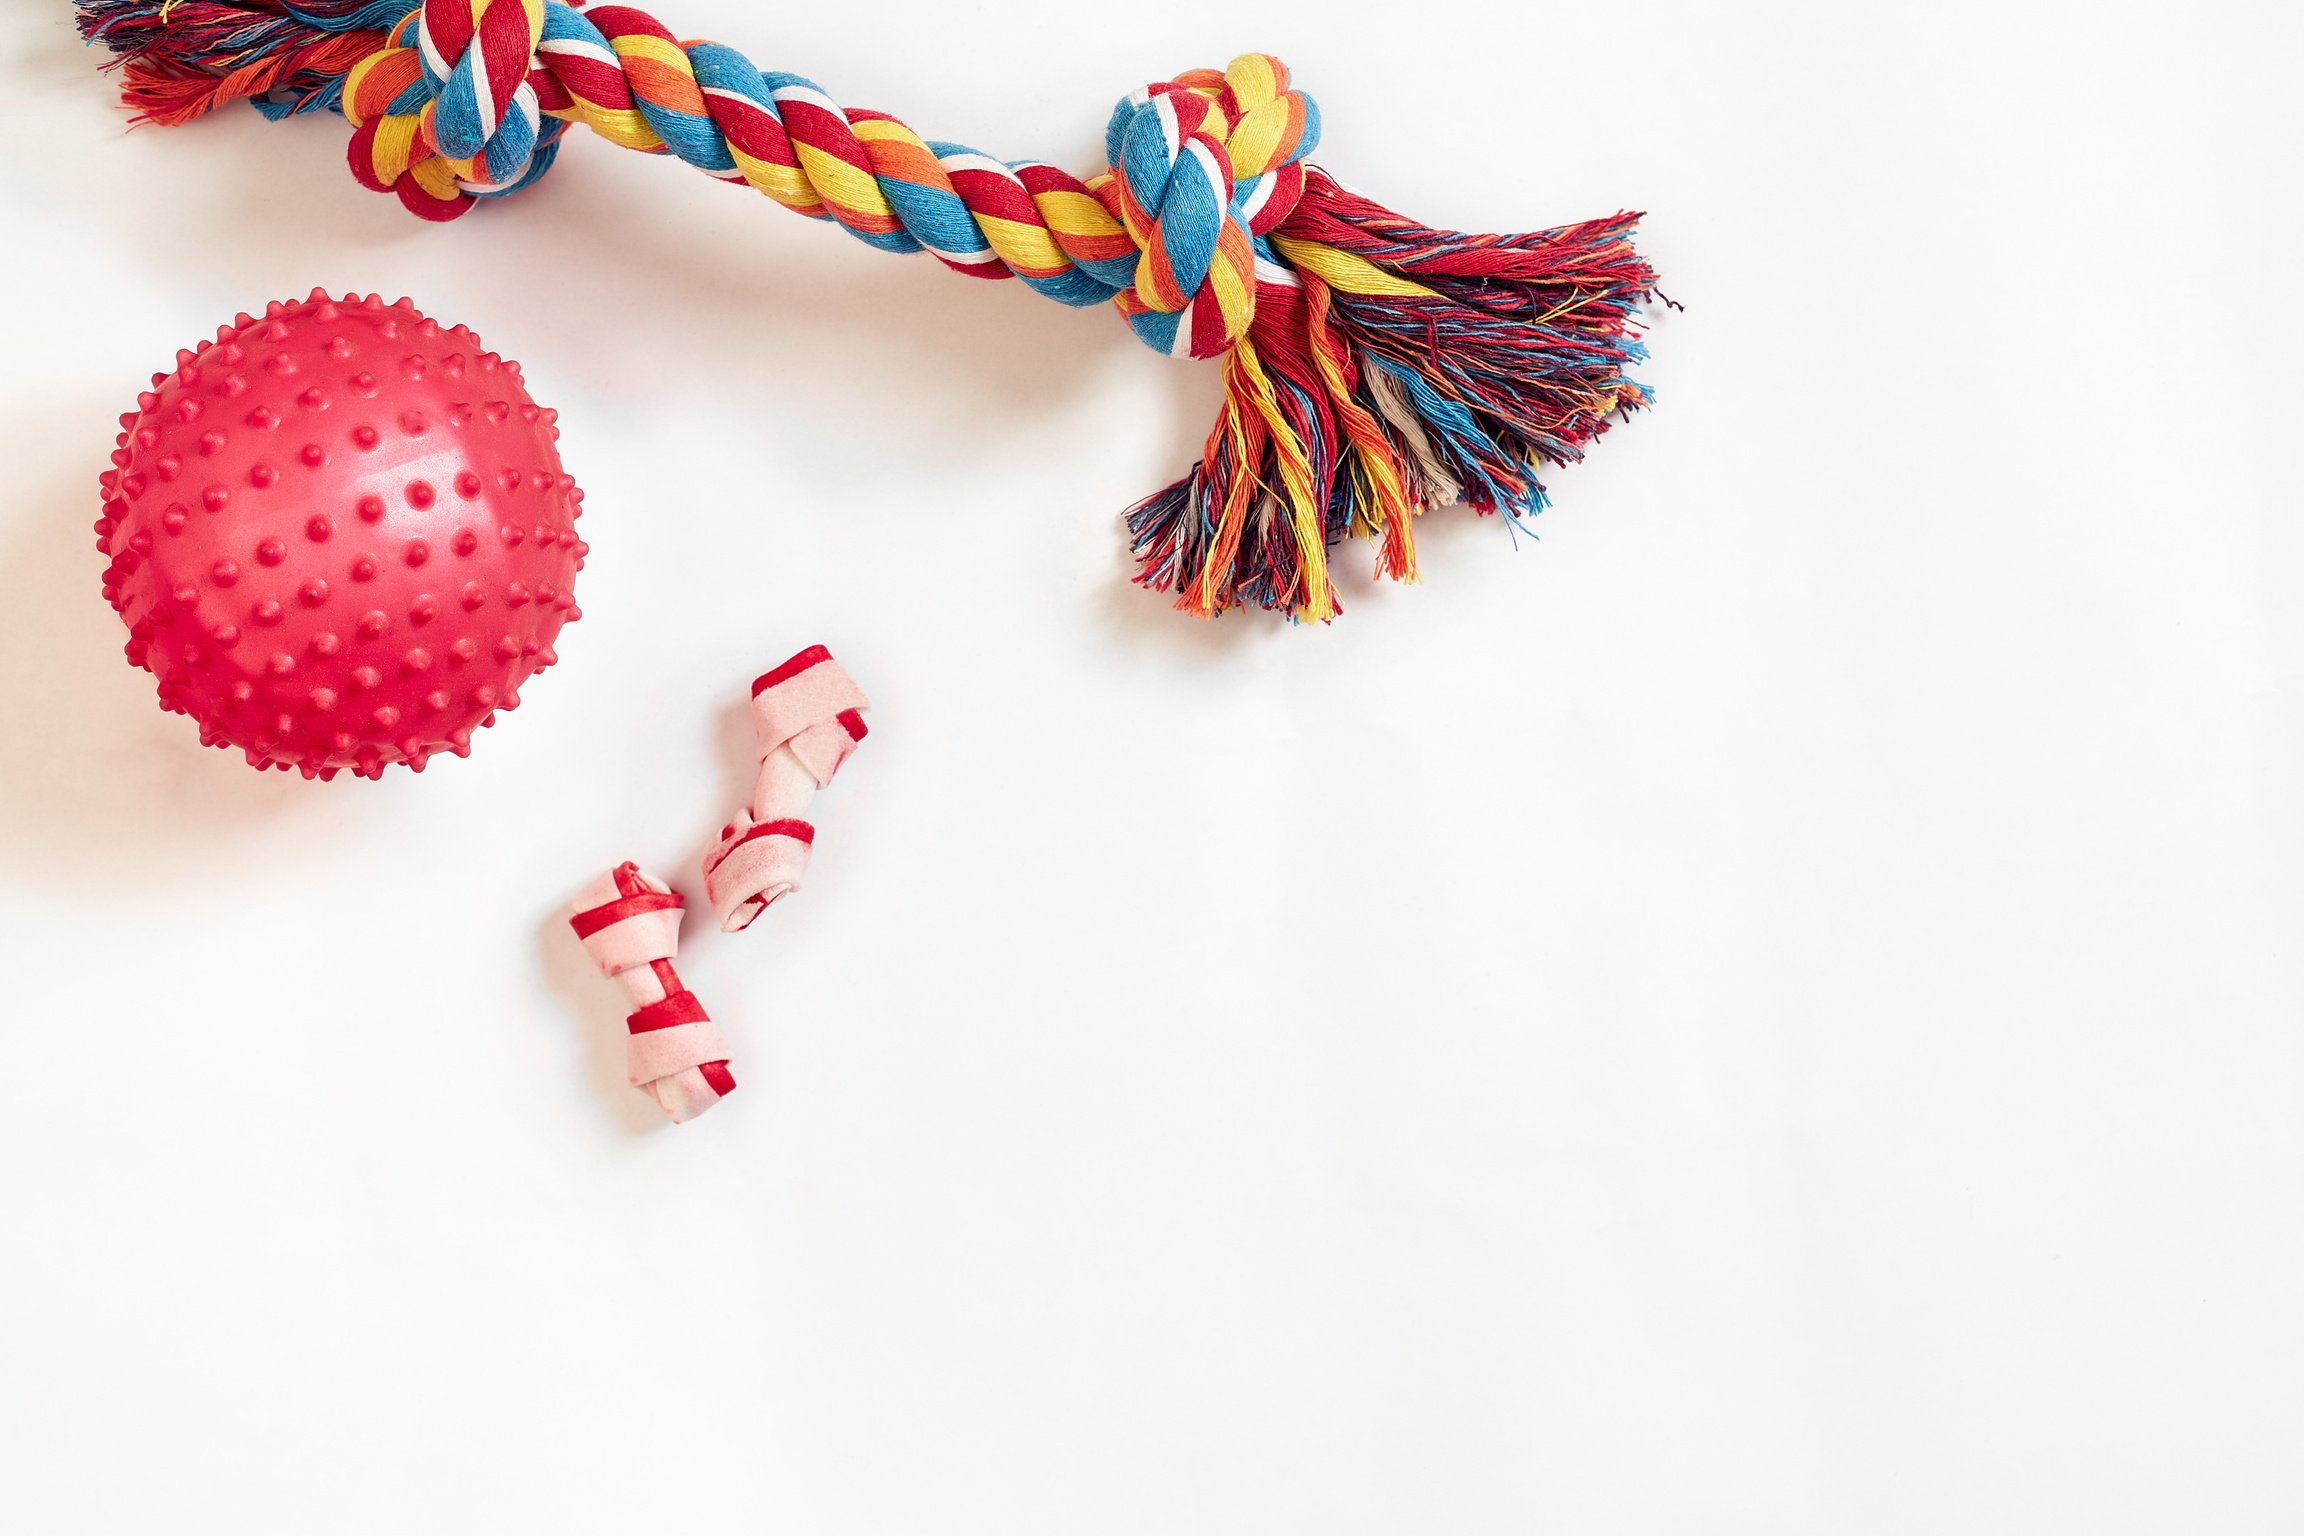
(340, 536)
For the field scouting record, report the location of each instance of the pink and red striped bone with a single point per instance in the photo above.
(629, 923)
(807, 716)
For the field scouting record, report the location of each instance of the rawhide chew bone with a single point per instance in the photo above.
(807, 716)
(629, 923)
(1374, 367)
(340, 536)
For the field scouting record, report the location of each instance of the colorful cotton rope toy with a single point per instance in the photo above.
(1374, 367)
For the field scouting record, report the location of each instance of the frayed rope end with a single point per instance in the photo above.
(1393, 368)
(181, 59)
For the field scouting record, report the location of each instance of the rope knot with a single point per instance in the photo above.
(1202, 167)
(445, 111)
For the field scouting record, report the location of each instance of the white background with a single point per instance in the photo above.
(1776, 1008)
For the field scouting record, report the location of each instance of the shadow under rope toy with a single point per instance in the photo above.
(1374, 367)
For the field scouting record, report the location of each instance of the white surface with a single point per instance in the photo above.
(1775, 1009)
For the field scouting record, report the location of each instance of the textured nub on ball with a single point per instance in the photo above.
(340, 536)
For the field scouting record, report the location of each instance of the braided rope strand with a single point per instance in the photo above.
(1202, 165)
